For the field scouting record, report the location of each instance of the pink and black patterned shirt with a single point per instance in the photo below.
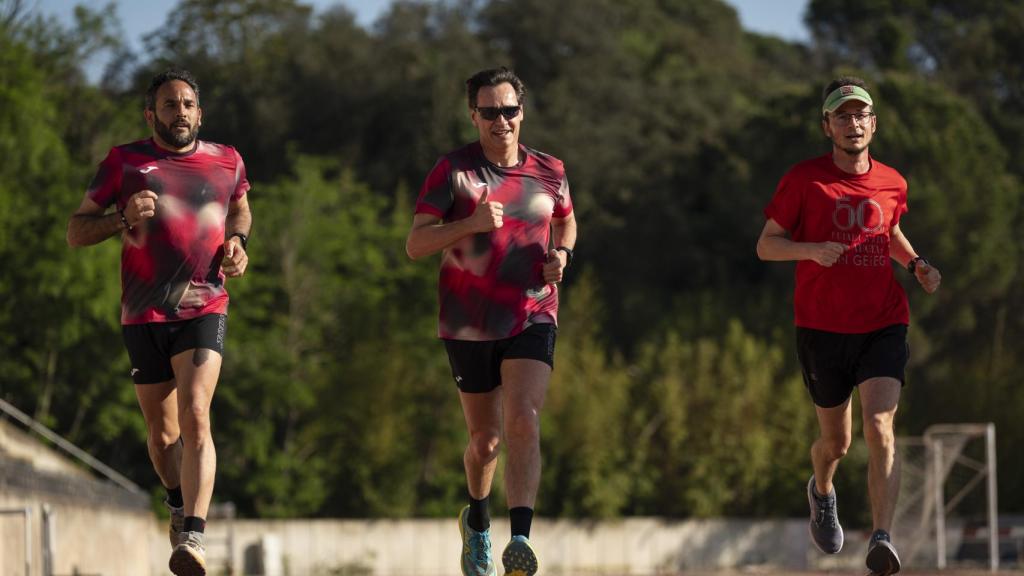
(491, 284)
(170, 264)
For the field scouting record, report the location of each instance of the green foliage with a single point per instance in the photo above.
(676, 390)
(586, 420)
(725, 420)
(58, 317)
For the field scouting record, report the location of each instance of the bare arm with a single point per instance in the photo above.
(563, 231)
(429, 235)
(239, 217)
(89, 225)
(563, 234)
(775, 245)
(900, 249)
(902, 252)
(239, 220)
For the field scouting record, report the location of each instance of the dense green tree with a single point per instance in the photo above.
(59, 313)
(972, 48)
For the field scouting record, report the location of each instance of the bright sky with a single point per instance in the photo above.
(782, 18)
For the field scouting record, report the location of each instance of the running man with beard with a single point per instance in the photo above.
(501, 215)
(838, 216)
(183, 216)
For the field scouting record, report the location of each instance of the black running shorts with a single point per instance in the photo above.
(151, 346)
(834, 364)
(476, 366)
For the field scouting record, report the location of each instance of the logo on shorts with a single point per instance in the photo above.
(458, 379)
(134, 372)
(222, 328)
(148, 169)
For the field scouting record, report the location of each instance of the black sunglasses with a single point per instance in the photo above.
(491, 112)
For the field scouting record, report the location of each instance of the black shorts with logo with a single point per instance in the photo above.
(834, 364)
(476, 366)
(151, 346)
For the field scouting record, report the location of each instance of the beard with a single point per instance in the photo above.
(173, 137)
(853, 151)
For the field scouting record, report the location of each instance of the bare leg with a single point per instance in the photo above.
(525, 385)
(483, 421)
(196, 372)
(836, 434)
(879, 398)
(159, 403)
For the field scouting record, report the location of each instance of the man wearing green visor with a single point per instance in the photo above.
(838, 216)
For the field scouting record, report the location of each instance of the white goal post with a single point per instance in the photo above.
(937, 436)
(939, 473)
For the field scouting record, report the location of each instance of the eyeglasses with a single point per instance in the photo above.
(858, 118)
(490, 113)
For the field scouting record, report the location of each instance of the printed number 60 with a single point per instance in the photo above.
(846, 216)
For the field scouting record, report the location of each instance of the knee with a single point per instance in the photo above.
(522, 425)
(878, 431)
(163, 439)
(483, 446)
(195, 422)
(836, 447)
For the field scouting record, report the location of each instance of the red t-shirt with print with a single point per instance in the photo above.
(817, 202)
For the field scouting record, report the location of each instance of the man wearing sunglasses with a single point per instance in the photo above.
(838, 216)
(501, 216)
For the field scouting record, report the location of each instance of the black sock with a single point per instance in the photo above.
(195, 524)
(521, 517)
(174, 497)
(880, 535)
(479, 516)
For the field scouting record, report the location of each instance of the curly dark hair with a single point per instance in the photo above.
(165, 77)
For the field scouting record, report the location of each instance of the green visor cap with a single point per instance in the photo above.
(845, 94)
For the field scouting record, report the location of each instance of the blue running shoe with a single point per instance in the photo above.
(476, 549)
(826, 533)
(882, 558)
(519, 558)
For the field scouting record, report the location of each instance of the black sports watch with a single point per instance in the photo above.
(912, 265)
(568, 255)
(242, 237)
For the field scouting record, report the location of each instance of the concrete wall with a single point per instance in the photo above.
(635, 546)
(95, 527)
(431, 547)
(86, 539)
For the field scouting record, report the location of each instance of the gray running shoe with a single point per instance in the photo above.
(177, 523)
(519, 558)
(476, 549)
(189, 556)
(826, 533)
(882, 558)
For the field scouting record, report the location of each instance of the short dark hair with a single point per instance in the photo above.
(165, 77)
(494, 77)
